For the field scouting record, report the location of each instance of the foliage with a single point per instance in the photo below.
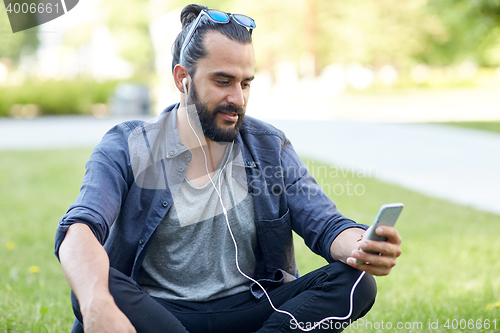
(372, 32)
(129, 25)
(312, 33)
(56, 97)
(12, 45)
(472, 31)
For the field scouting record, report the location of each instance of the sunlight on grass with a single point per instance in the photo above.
(491, 126)
(449, 268)
(36, 188)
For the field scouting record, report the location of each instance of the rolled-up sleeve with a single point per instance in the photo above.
(314, 215)
(105, 186)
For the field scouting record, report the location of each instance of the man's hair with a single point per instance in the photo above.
(195, 50)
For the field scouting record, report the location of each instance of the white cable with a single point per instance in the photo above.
(264, 290)
(218, 190)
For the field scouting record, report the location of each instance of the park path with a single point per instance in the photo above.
(461, 165)
(457, 164)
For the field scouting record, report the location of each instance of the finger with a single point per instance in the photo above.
(391, 233)
(375, 259)
(384, 248)
(369, 268)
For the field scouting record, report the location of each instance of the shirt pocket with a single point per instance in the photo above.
(276, 244)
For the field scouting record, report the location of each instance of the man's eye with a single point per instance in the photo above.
(223, 83)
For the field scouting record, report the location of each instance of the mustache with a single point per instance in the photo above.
(229, 109)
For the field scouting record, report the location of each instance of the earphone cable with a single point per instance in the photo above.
(219, 190)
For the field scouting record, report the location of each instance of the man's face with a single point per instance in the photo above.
(208, 118)
(221, 86)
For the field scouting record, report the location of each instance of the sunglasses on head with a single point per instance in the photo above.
(216, 16)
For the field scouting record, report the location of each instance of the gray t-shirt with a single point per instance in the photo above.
(192, 254)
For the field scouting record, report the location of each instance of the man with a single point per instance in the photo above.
(196, 208)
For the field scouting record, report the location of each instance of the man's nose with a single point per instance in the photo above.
(236, 96)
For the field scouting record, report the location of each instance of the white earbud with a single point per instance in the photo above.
(184, 83)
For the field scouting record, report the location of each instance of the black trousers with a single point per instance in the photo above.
(322, 293)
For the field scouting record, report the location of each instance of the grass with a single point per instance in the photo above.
(492, 126)
(449, 268)
(36, 188)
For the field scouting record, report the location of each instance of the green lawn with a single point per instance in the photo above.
(492, 126)
(449, 268)
(36, 188)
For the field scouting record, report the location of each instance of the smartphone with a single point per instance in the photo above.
(387, 215)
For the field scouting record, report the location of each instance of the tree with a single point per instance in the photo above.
(472, 31)
(13, 44)
(129, 24)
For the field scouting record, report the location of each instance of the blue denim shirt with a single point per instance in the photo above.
(124, 214)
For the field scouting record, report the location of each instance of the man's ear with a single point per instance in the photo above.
(181, 74)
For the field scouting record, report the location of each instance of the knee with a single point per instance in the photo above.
(122, 287)
(364, 295)
(346, 278)
(119, 283)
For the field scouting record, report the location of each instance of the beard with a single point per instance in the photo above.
(207, 118)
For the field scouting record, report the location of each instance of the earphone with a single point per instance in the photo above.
(218, 190)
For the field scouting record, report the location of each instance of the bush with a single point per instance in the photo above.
(56, 97)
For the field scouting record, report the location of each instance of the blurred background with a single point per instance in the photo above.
(357, 59)
(385, 101)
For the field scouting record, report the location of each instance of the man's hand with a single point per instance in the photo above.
(86, 267)
(389, 251)
(104, 316)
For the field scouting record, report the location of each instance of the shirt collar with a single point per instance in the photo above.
(175, 146)
(174, 142)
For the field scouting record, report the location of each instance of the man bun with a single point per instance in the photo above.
(190, 13)
(195, 50)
